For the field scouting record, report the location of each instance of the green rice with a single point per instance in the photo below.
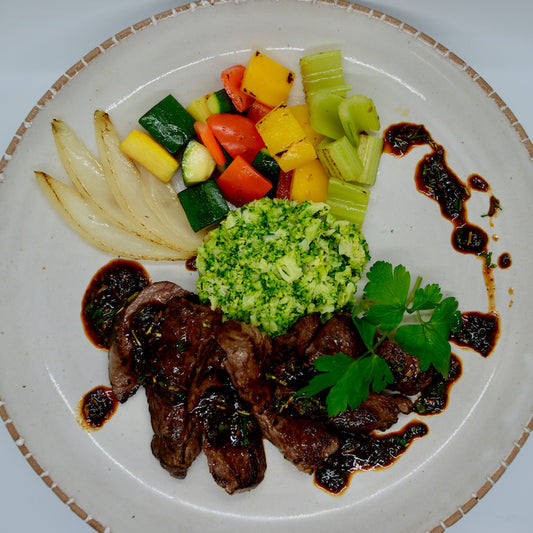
(272, 261)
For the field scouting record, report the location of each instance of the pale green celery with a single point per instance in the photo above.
(369, 150)
(324, 114)
(340, 159)
(348, 201)
(323, 71)
(358, 113)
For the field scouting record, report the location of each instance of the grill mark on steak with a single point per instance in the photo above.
(306, 443)
(125, 348)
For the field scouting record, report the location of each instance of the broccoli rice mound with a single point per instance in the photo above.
(273, 261)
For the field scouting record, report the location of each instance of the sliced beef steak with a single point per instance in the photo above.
(292, 369)
(408, 378)
(338, 335)
(127, 346)
(187, 338)
(177, 439)
(377, 412)
(306, 443)
(233, 442)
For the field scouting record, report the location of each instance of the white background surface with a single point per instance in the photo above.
(41, 40)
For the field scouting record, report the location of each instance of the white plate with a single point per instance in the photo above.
(55, 365)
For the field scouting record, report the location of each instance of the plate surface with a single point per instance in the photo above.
(56, 365)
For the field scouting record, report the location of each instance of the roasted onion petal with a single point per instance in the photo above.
(87, 175)
(84, 218)
(164, 202)
(125, 183)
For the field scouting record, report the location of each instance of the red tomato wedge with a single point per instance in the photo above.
(241, 183)
(208, 139)
(257, 111)
(237, 134)
(231, 81)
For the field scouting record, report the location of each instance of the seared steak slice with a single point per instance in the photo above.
(177, 439)
(233, 443)
(377, 412)
(306, 443)
(292, 370)
(187, 338)
(126, 347)
(296, 341)
(408, 378)
(338, 335)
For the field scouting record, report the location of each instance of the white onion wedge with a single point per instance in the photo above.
(124, 181)
(91, 226)
(164, 202)
(87, 175)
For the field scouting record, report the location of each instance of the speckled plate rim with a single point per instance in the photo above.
(115, 40)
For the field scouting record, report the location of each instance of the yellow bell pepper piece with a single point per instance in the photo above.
(301, 112)
(199, 109)
(266, 80)
(285, 138)
(309, 182)
(146, 151)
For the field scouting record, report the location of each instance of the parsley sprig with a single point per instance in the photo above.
(419, 319)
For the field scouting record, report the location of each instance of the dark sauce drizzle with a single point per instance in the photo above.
(115, 284)
(434, 398)
(370, 451)
(437, 181)
(504, 261)
(479, 332)
(97, 407)
(108, 292)
(190, 264)
(365, 452)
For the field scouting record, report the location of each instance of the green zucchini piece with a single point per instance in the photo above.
(324, 114)
(369, 150)
(265, 164)
(348, 201)
(169, 123)
(323, 71)
(220, 102)
(203, 204)
(197, 163)
(340, 159)
(358, 113)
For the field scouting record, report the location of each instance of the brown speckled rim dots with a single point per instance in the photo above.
(349, 8)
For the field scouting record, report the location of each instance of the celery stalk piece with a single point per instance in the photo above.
(324, 114)
(340, 159)
(348, 201)
(369, 150)
(358, 113)
(323, 71)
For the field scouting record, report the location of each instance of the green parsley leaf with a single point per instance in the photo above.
(367, 330)
(349, 380)
(386, 286)
(426, 298)
(379, 314)
(427, 345)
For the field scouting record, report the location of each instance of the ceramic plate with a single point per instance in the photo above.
(109, 477)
